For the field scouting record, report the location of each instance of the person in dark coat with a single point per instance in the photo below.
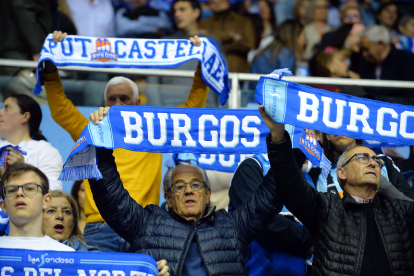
(194, 239)
(365, 232)
(384, 62)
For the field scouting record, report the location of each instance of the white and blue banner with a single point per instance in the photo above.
(19, 262)
(170, 129)
(335, 113)
(137, 53)
(225, 135)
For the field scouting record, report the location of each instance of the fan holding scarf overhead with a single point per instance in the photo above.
(140, 171)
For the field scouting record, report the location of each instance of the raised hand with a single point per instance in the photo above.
(58, 36)
(97, 116)
(163, 268)
(277, 131)
(14, 156)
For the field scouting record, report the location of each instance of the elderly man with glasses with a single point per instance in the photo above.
(366, 232)
(24, 189)
(194, 238)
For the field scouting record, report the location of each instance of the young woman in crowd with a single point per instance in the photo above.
(78, 193)
(333, 63)
(405, 38)
(316, 18)
(61, 222)
(333, 147)
(299, 11)
(20, 118)
(387, 16)
(284, 51)
(268, 17)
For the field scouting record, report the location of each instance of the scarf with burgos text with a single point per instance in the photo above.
(61, 263)
(136, 53)
(174, 130)
(301, 139)
(334, 113)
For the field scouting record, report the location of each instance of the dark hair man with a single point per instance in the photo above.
(384, 62)
(24, 189)
(186, 14)
(367, 232)
(235, 32)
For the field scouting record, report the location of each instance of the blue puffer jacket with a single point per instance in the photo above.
(221, 237)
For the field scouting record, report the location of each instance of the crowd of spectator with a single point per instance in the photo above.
(367, 39)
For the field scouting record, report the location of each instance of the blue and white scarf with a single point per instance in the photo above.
(136, 53)
(22, 262)
(219, 131)
(173, 130)
(334, 113)
(302, 140)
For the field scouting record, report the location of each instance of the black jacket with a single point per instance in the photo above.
(396, 66)
(285, 232)
(339, 225)
(221, 237)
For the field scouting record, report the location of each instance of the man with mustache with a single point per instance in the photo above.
(24, 189)
(366, 232)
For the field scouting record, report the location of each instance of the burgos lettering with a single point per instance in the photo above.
(359, 114)
(239, 128)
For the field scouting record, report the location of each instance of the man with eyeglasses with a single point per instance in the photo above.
(365, 232)
(24, 189)
(194, 238)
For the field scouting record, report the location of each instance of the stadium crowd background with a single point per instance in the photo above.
(367, 39)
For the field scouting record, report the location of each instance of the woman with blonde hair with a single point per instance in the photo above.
(61, 221)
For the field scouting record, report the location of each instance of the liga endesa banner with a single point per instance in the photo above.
(19, 262)
(98, 52)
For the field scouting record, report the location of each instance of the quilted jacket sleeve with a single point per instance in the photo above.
(286, 233)
(117, 207)
(256, 213)
(302, 200)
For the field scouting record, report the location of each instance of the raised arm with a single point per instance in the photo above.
(63, 111)
(199, 90)
(302, 200)
(396, 177)
(122, 213)
(254, 215)
(117, 207)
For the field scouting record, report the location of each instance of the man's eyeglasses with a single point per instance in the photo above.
(364, 159)
(29, 189)
(180, 186)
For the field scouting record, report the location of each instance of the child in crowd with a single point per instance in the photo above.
(24, 189)
(405, 39)
(333, 63)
